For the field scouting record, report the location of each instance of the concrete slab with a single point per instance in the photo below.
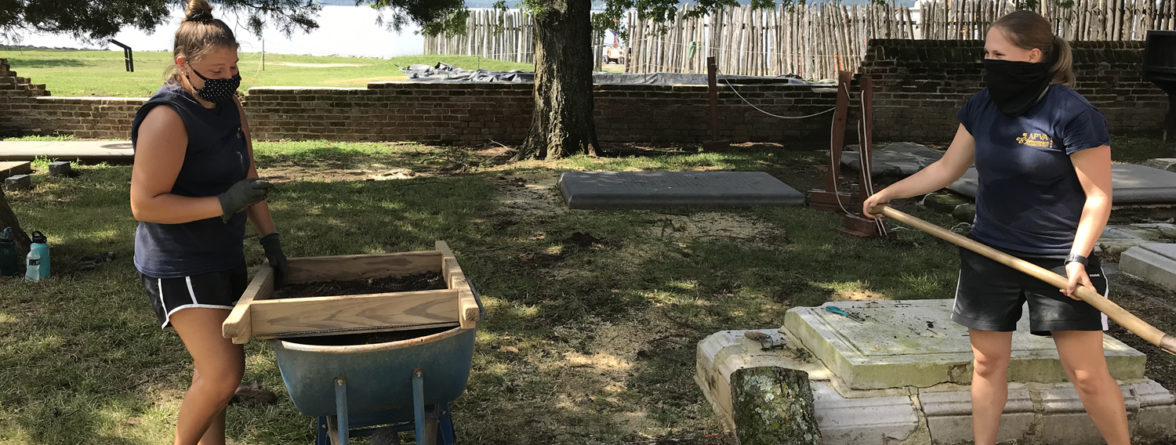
(1132, 184)
(12, 168)
(895, 159)
(640, 190)
(1154, 262)
(1168, 164)
(1116, 239)
(940, 414)
(71, 150)
(915, 343)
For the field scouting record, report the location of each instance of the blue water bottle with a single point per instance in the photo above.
(41, 246)
(9, 260)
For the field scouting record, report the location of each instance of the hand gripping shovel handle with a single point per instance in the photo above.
(1114, 311)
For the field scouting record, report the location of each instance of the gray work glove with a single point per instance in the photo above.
(244, 193)
(277, 259)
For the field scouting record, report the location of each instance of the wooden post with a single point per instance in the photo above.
(712, 85)
(773, 405)
(830, 199)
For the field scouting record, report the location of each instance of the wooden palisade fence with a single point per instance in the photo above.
(813, 41)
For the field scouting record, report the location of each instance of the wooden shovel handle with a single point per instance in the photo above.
(1117, 313)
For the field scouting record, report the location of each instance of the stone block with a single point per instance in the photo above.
(60, 168)
(949, 414)
(18, 183)
(860, 421)
(1168, 164)
(914, 343)
(1154, 262)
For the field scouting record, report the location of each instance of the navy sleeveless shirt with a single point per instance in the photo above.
(217, 157)
(1029, 199)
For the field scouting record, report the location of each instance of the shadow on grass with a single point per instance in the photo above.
(45, 63)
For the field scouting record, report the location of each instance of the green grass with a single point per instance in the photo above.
(102, 73)
(593, 315)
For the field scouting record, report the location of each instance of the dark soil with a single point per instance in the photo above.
(407, 283)
(1157, 307)
(366, 339)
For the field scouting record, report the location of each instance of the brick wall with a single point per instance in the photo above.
(477, 113)
(920, 84)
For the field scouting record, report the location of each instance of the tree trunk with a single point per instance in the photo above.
(8, 219)
(562, 123)
(773, 405)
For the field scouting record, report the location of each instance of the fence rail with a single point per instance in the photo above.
(813, 41)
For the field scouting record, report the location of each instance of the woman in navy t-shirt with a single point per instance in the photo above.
(1044, 164)
(192, 185)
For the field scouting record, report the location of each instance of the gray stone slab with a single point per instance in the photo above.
(1131, 184)
(1168, 164)
(18, 182)
(642, 190)
(83, 150)
(60, 168)
(864, 420)
(941, 414)
(915, 343)
(1116, 239)
(895, 159)
(949, 414)
(1154, 262)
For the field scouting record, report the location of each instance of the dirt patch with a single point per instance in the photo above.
(716, 226)
(366, 339)
(1155, 306)
(530, 193)
(407, 283)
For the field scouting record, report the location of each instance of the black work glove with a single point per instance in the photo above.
(277, 259)
(244, 193)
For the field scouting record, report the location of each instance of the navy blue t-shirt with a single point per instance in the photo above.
(216, 158)
(1029, 199)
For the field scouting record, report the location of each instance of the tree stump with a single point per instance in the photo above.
(773, 405)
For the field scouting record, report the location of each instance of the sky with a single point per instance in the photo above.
(344, 29)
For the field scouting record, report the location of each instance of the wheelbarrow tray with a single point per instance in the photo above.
(378, 377)
(258, 315)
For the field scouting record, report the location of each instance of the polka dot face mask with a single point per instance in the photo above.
(218, 90)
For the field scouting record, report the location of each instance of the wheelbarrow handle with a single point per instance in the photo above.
(477, 298)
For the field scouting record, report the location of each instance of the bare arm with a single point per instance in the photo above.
(159, 155)
(1093, 167)
(258, 213)
(940, 174)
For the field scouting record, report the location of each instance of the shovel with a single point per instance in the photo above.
(1114, 311)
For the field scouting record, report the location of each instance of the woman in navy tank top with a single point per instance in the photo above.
(1043, 159)
(193, 185)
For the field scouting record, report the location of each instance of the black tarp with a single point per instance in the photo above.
(443, 72)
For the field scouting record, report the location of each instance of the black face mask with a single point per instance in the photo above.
(218, 90)
(1015, 86)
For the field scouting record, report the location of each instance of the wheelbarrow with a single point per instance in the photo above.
(362, 363)
(400, 384)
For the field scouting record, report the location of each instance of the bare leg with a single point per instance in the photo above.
(990, 386)
(215, 434)
(218, 364)
(1086, 365)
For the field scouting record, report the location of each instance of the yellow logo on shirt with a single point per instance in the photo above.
(1035, 140)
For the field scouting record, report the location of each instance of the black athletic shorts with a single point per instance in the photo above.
(216, 290)
(990, 295)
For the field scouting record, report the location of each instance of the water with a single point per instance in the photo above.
(343, 31)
